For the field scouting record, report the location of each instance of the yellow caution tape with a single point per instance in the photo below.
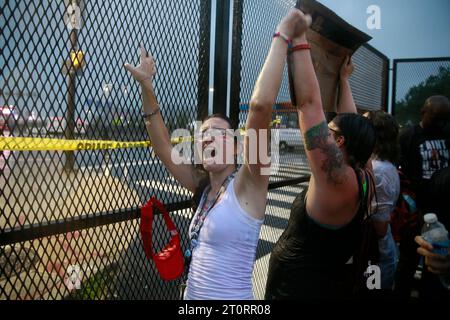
(46, 144)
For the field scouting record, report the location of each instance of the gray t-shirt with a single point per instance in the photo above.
(387, 184)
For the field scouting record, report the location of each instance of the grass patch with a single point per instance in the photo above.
(97, 287)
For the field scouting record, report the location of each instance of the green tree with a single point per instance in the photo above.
(407, 110)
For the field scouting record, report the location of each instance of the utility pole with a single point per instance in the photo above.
(70, 112)
(73, 65)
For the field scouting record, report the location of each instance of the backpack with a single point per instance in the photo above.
(405, 216)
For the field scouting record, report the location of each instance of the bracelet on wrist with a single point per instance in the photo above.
(302, 46)
(146, 116)
(284, 37)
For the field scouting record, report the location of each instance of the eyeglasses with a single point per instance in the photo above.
(336, 131)
(214, 133)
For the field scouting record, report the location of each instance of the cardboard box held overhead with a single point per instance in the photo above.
(331, 39)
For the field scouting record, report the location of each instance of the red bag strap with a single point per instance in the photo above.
(146, 226)
(169, 223)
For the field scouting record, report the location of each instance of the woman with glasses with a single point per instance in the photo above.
(324, 229)
(230, 205)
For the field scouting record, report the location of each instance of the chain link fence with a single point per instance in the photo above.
(414, 80)
(370, 80)
(73, 213)
(76, 212)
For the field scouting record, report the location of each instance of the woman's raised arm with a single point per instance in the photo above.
(157, 130)
(264, 95)
(346, 103)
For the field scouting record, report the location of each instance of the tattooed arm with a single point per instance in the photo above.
(332, 164)
(325, 158)
(332, 194)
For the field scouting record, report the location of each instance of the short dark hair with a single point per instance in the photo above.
(387, 146)
(220, 116)
(435, 112)
(438, 101)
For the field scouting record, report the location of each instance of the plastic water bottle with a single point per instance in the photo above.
(435, 233)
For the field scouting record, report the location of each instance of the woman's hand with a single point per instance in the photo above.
(144, 72)
(294, 24)
(435, 263)
(347, 68)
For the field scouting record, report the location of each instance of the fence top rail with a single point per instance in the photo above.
(40, 230)
(421, 59)
(375, 51)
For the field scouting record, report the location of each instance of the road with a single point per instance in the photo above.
(138, 168)
(146, 176)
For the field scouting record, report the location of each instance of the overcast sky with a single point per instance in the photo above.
(409, 28)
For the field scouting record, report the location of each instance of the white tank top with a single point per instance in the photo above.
(222, 262)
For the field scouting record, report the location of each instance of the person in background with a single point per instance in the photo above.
(384, 159)
(424, 149)
(436, 265)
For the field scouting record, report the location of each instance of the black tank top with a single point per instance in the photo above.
(309, 260)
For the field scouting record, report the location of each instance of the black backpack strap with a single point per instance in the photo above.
(367, 249)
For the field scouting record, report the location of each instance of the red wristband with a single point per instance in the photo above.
(302, 46)
(288, 40)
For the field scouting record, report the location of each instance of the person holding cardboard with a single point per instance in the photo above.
(324, 229)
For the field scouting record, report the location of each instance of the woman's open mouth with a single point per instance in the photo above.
(209, 153)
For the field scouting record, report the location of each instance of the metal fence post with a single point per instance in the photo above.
(394, 85)
(221, 57)
(203, 59)
(236, 60)
(386, 84)
(70, 112)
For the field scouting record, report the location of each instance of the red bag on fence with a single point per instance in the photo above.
(170, 261)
